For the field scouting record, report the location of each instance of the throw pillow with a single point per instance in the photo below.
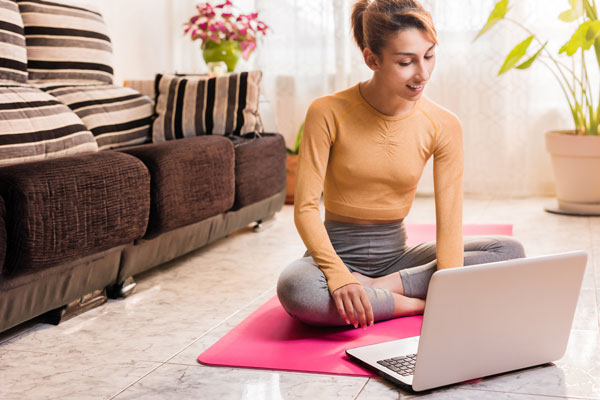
(35, 126)
(116, 116)
(188, 106)
(66, 42)
(13, 54)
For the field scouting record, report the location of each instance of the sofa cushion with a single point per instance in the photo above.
(192, 179)
(66, 42)
(116, 116)
(188, 106)
(35, 126)
(13, 54)
(63, 209)
(259, 168)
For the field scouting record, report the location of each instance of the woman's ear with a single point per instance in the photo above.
(371, 59)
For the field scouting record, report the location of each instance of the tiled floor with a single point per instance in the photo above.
(146, 346)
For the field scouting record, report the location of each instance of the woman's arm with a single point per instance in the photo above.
(448, 164)
(348, 294)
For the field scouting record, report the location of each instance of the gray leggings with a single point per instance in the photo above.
(376, 250)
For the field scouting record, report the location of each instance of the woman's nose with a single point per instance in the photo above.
(422, 72)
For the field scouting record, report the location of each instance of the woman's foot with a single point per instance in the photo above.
(391, 282)
(363, 279)
(405, 306)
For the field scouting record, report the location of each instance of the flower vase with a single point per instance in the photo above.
(227, 51)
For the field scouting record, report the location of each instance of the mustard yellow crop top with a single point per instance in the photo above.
(368, 164)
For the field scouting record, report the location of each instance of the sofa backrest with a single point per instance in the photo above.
(66, 42)
(13, 55)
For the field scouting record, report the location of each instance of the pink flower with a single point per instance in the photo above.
(227, 3)
(220, 23)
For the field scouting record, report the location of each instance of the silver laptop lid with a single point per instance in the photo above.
(486, 319)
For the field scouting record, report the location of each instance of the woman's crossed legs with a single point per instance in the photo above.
(398, 290)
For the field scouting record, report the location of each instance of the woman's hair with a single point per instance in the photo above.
(374, 21)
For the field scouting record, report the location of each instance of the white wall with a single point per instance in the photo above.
(142, 36)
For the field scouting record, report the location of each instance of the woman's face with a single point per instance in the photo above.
(406, 63)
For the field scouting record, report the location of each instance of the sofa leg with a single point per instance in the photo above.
(76, 307)
(264, 223)
(122, 290)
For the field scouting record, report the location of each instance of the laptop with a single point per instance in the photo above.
(483, 320)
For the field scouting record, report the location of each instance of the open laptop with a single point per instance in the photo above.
(483, 320)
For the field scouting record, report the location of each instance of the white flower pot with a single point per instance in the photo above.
(576, 165)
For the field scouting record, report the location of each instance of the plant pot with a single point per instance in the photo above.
(227, 51)
(291, 164)
(576, 165)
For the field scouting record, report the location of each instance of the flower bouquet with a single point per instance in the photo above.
(224, 34)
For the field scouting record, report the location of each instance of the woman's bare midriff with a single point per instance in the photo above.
(330, 216)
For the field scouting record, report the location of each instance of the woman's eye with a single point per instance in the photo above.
(406, 64)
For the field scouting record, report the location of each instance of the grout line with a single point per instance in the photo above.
(220, 323)
(160, 364)
(136, 381)
(361, 389)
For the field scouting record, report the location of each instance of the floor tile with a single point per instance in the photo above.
(172, 381)
(31, 375)
(577, 374)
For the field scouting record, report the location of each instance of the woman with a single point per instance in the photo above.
(365, 148)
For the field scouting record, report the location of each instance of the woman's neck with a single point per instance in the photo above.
(384, 100)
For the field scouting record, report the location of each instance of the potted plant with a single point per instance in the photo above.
(224, 35)
(575, 153)
(291, 164)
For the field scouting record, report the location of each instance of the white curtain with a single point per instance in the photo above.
(310, 53)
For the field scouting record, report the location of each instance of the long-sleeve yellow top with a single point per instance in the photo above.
(368, 165)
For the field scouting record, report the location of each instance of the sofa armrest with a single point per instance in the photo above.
(62, 209)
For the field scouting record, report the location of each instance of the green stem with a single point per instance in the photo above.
(563, 88)
(548, 54)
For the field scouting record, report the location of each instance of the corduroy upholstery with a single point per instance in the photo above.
(67, 208)
(2, 232)
(259, 168)
(191, 179)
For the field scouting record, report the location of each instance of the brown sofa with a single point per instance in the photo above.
(77, 227)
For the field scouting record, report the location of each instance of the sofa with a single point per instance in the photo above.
(90, 196)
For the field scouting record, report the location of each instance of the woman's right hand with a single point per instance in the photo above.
(352, 298)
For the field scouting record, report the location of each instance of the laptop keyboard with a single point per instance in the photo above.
(404, 366)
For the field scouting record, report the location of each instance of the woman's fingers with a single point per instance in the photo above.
(349, 308)
(368, 309)
(353, 305)
(339, 303)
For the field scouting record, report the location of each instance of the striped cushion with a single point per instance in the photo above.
(36, 126)
(117, 116)
(189, 106)
(66, 42)
(13, 54)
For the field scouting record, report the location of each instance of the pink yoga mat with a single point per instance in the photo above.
(270, 339)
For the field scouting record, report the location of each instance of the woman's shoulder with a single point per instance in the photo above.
(338, 102)
(436, 111)
(438, 114)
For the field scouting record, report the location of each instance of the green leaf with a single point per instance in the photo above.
(498, 13)
(584, 37)
(575, 12)
(530, 61)
(592, 34)
(298, 139)
(515, 55)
